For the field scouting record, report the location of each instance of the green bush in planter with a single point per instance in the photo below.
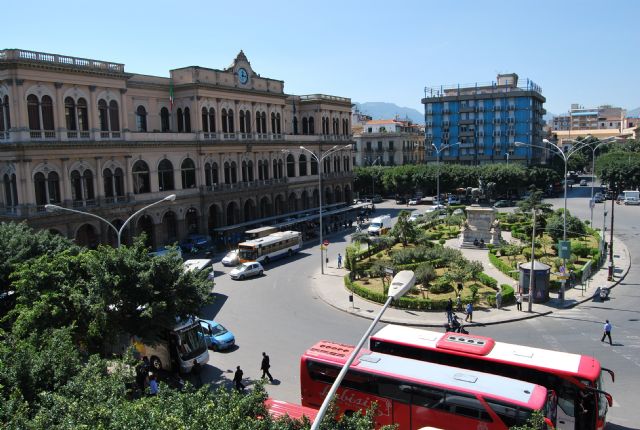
(508, 295)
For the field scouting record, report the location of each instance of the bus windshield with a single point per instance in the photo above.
(247, 254)
(191, 342)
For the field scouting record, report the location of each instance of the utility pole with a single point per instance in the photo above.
(533, 258)
(613, 206)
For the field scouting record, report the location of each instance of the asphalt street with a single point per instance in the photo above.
(278, 314)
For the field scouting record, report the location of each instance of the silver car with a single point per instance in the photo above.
(231, 259)
(247, 270)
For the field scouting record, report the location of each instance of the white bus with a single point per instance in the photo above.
(265, 249)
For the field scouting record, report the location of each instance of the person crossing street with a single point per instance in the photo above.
(265, 365)
(607, 332)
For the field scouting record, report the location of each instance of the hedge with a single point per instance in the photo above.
(502, 266)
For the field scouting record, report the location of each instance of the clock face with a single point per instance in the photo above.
(243, 76)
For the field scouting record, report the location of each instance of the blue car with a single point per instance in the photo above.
(216, 336)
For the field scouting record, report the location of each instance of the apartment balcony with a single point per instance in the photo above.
(466, 121)
(464, 109)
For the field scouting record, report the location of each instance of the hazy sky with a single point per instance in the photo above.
(578, 51)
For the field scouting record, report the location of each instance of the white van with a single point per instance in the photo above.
(379, 225)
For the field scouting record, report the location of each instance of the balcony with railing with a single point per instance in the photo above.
(21, 55)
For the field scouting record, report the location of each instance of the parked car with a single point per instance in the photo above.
(458, 211)
(195, 243)
(415, 217)
(608, 195)
(454, 200)
(632, 201)
(246, 270)
(503, 204)
(598, 198)
(583, 183)
(434, 208)
(231, 259)
(216, 335)
(413, 201)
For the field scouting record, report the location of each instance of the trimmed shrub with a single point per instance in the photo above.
(508, 295)
(502, 266)
(488, 280)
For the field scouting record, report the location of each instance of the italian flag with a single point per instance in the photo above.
(171, 94)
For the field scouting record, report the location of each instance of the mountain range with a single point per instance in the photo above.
(382, 110)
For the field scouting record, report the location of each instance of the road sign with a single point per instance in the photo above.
(325, 242)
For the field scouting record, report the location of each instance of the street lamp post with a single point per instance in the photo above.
(52, 208)
(565, 157)
(319, 161)
(400, 284)
(584, 143)
(438, 151)
(507, 154)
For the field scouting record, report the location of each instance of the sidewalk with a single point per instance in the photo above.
(330, 288)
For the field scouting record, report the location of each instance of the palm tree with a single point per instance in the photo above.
(362, 237)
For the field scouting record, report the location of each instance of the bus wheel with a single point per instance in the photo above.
(156, 363)
(289, 253)
(266, 260)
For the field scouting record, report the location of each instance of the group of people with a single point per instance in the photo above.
(450, 314)
(145, 378)
(265, 365)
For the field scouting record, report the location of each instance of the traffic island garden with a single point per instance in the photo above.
(439, 272)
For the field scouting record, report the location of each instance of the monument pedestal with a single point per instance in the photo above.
(481, 225)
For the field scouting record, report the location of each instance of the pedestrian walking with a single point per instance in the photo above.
(519, 301)
(237, 379)
(499, 299)
(459, 303)
(339, 260)
(195, 370)
(607, 332)
(265, 365)
(449, 310)
(469, 311)
(153, 385)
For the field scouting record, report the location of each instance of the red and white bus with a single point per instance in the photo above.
(415, 394)
(577, 379)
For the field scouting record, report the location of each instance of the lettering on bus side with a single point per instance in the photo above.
(359, 401)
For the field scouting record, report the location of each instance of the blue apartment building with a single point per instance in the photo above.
(481, 123)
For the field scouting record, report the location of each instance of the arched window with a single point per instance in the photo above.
(244, 174)
(260, 173)
(326, 165)
(345, 127)
(165, 123)
(214, 173)
(291, 166)
(242, 125)
(10, 190)
(265, 170)
(234, 172)
(83, 115)
(187, 120)
(278, 126)
(247, 121)
(114, 116)
(165, 175)
(188, 169)
(263, 121)
(225, 128)
(47, 113)
(210, 174)
(311, 126)
(212, 120)
(5, 118)
(53, 187)
(250, 170)
(107, 179)
(141, 119)
(295, 125)
(273, 122)
(324, 121)
(227, 172)
(275, 169)
(302, 165)
(118, 180)
(258, 123)
(314, 166)
(280, 169)
(230, 120)
(87, 185)
(47, 189)
(205, 120)
(305, 125)
(103, 114)
(180, 120)
(70, 113)
(141, 180)
(33, 110)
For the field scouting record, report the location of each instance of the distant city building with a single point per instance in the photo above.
(602, 122)
(480, 123)
(85, 134)
(389, 142)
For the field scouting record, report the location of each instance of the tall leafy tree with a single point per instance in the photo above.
(404, 229)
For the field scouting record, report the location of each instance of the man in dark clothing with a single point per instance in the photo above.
(237, 379)
(449, 309)
(265, 365)
(142, 373)
(196, 369)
